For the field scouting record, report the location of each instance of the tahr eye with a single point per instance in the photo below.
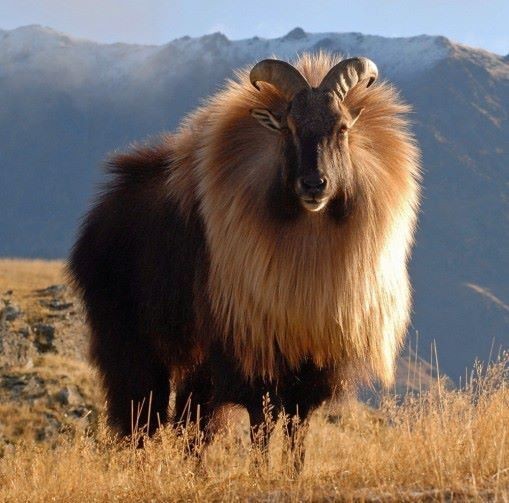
(343, 129)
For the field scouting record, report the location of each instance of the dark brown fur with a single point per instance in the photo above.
(142, 272)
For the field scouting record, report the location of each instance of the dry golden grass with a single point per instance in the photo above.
(440, 444)
(26, 275)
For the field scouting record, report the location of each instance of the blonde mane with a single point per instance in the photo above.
(333, 293)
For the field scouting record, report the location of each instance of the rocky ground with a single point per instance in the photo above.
(46, 386)
(52, 325)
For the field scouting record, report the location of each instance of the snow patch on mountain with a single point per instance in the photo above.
(45, 50)
(398, 57)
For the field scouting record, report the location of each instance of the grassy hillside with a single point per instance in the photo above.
(434, 444)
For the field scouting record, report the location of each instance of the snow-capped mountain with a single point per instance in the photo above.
(65, 102)
(47, 50)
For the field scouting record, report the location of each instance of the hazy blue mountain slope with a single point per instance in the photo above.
(461, 113)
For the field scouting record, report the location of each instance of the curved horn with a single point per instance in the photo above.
(281, 75)
(347, 74)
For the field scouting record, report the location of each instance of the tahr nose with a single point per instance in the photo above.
(313, 184)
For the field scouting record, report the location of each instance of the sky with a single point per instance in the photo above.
(479, 23)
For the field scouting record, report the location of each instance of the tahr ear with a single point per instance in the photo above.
(355, 113)
(266, 119)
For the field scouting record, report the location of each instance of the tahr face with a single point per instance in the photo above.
(314, 127)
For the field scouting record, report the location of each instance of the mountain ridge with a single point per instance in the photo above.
(44, 35)
(296, 33)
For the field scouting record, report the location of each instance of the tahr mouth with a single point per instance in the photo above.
(313, 204)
